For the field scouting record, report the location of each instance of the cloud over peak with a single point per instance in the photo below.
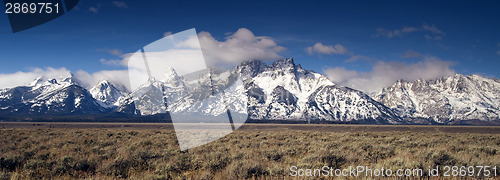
(24, 78)
(241, 46)
(385, 73)
(320, 48)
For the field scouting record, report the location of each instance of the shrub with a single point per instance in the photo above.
(10, 163)
(332, 159)
(4, 176)
(248, 169)
(217, 161)
(443, 159)
(118, 168)
(154, 154)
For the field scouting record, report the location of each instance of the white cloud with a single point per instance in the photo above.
(436, 34)
(115, 52)
(183, 52)
(432, 29)
(191, 43)
(434, 37)
(87, 80)
(409, 29)
(167, 33)
(120, 4)
(241, 46)
(355, 57)
(112, 62)
(94, 9)
(411, 54)
(387, 33)
(340, 75)
(320, 48)
(119, 78)
(184, 61)
(384, 73)
(25, 78)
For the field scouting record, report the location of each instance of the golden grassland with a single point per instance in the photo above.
(154, 154)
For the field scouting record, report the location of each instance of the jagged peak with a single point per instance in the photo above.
(103, 81)
(103, 84)
(171, 70)
(282, 64)
(71, 79)
(170, 74)
(458, 75)
(287, 62)
(38, 81)
(476, 76)
(252, 63)
(249, 69)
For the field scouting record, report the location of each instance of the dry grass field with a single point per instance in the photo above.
(112, 153)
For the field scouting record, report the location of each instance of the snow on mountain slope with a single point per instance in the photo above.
(154, 96)
(445, 100)
(285, 91)
(337, 103)
(255, 90)
(107, 95)
(48, 97)
(291, 80)
(280, 91)
(72, 99)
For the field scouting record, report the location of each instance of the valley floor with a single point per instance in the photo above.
(255, 151)
(261, 127)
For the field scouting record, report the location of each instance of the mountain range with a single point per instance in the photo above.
(281, 91)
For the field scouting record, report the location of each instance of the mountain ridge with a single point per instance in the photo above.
(282, 90)
(445, 100)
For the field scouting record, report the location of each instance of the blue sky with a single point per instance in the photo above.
(370, 34)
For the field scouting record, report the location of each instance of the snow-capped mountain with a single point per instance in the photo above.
(346, 104)
(285, 91)
(106, 94)
(48, 97)
(280, 91)
(257, 91)
(445, 100)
